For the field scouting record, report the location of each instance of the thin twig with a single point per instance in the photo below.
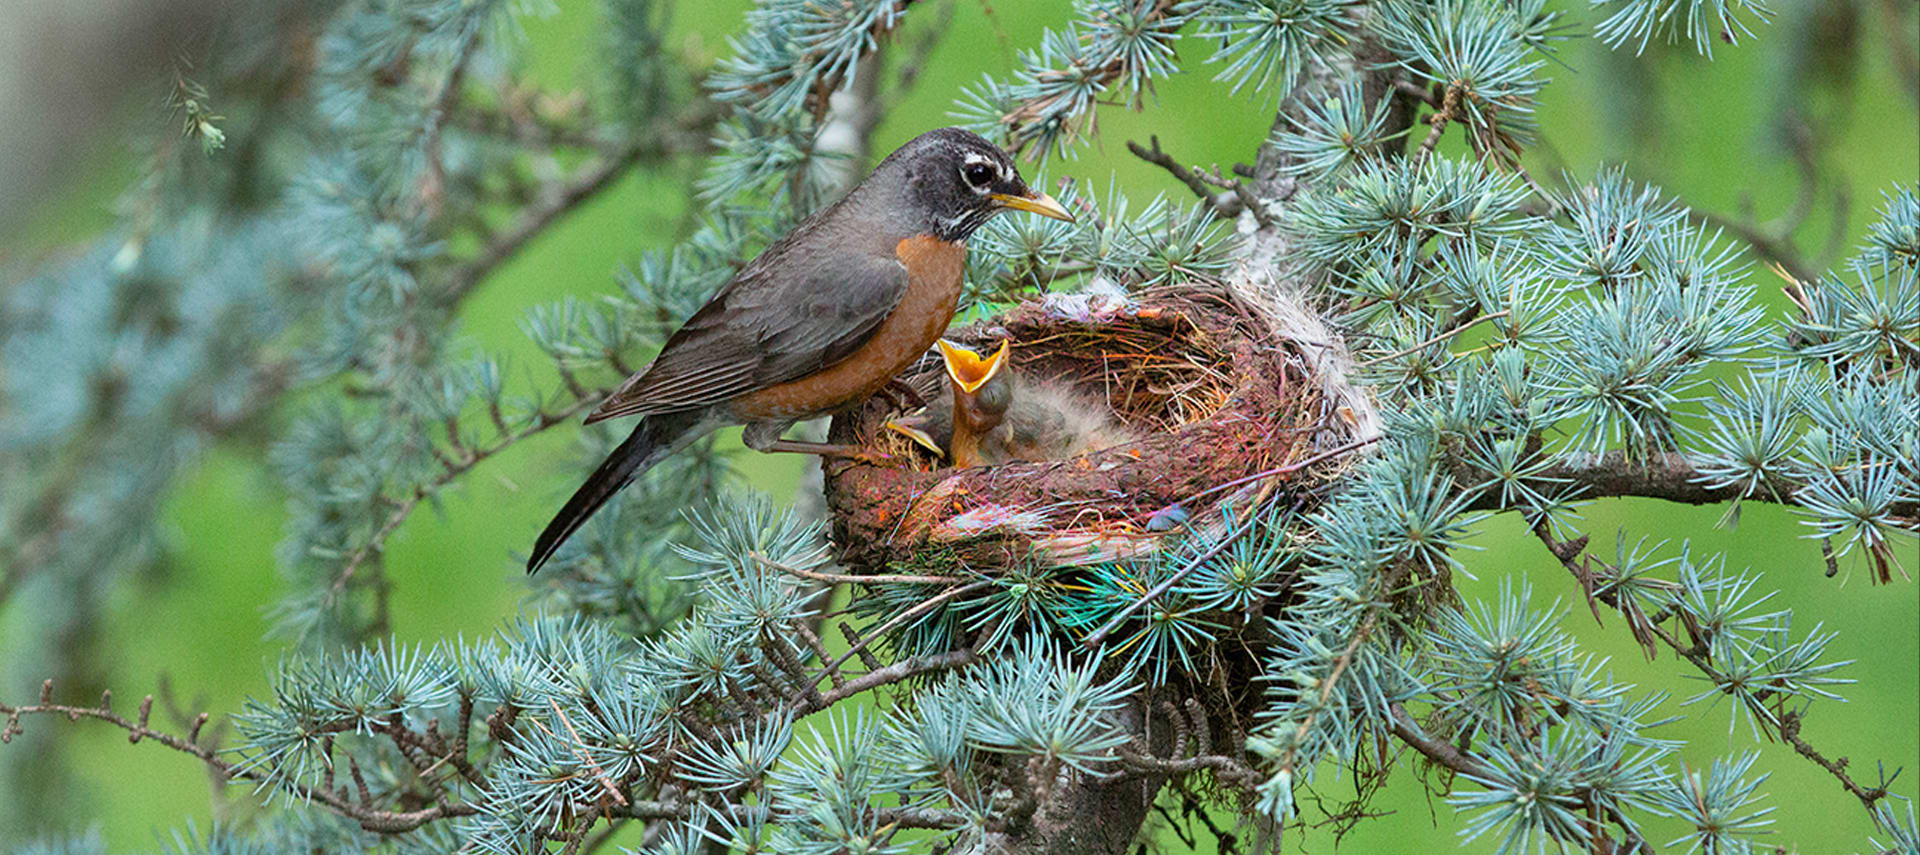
(1568, 553)
(1444, 753)
(923, 607)
(1765, 244)
(1438, 338)
(1449, 106)
(1099, 635)
(1422, 94)
(433, 182)
(1240, 191)
(876, 579)
(1289, 468)
(1670, 476)
(1021, 118)
(685, 134)
(446, 476)
(599, 774)
(916, 62)
(533, 132)
(1790, 731)
(1226, 207)
(369, 818)
(819, 649)
(896, 672)
(854, 638)
(1906, 58)
(1699, 654)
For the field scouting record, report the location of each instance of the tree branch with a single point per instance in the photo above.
(895, 673)
(1226, 206)
(905, 817)
(433, 180)
(1668, 476)
(1439, 751)
(1435, 339)
(1790, 731)
(1228, 769)
(1766, 245)
(910, 70)
(1906, 58)
(1443, 753)
(1041, 111)
(524, 126)
(1774, 241)
(369, 817)
(1699, 654)
(684, 134)
(453, 470)
(857, 579)
(1446, 112)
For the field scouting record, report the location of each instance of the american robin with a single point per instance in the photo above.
(996, 415)
(820, 320)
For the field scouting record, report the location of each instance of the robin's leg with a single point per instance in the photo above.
(828, 449)
(765, 437)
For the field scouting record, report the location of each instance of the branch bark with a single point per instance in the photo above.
(369, 817)
(1699, 653)
(1444, 753)
(1669, 476)
(1226, 206)
(1078, 814)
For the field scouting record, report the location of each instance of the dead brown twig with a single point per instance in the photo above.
(1226, 206)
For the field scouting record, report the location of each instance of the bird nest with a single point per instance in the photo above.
(1211, 400)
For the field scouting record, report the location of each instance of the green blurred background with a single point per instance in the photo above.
(1703, 130)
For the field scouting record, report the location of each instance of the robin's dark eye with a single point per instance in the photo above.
(977, 174)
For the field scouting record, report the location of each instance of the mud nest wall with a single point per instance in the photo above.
(1211, 398)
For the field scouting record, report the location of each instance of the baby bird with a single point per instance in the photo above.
(1004, 417)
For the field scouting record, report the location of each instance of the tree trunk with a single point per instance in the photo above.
(1082, 815)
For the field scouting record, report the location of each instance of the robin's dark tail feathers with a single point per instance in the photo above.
(653, 439)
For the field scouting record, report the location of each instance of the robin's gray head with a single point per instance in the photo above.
(956, 180)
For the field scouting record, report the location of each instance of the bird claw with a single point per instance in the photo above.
(902, 396)
(875, 458)
(863, 456)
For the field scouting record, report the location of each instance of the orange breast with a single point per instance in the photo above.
(935, 273)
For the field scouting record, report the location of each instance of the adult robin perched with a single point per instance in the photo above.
(819, 321)
(995, 415)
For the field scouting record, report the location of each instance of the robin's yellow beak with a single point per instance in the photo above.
(968, 369)
(1038, 203)
(914, 432)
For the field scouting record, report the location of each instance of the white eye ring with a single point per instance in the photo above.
(979, 172)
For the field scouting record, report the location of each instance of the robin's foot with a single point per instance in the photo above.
(903, 394)
(855, 453)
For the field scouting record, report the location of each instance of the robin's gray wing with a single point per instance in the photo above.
(777, 321)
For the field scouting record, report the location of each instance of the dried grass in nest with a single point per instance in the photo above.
(1210, 397)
